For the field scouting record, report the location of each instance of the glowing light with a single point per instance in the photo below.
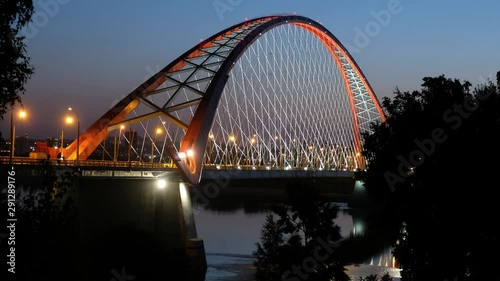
(161, 184)
(190, 153)
(358, 228)
(182, 155)
(69, 120)
(22, 114)
(185, 200)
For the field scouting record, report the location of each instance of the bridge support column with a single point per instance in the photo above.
(195, 248)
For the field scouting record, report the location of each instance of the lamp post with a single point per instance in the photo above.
(129, 144)
(250, 156)
(62, 143)
(232, 140)
(77, 135)
(117, 146)
(119, 140)
(22, 115)
(158, 131)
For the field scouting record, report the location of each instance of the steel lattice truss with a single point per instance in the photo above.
(278, 92)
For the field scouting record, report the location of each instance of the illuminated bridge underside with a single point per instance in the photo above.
(277, 92)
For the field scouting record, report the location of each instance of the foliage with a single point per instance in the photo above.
(431, 166)
(371, 277)
(46, 232)
(15, 68)
(386, 277)
(297, 240)
(374, 277)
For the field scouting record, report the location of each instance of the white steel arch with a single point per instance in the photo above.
(278, 92)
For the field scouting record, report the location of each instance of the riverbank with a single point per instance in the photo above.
(228, 267)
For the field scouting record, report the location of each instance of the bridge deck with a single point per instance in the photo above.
(240, 171)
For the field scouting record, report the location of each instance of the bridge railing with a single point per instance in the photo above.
(264, 168)
(84, 163)
(147, 165)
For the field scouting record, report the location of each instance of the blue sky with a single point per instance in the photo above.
(88, 54)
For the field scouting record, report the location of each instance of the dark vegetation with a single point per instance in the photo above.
(432, 171)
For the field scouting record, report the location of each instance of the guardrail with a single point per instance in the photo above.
(148, 165)
(84, 163)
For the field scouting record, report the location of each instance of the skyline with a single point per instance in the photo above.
(90, 55)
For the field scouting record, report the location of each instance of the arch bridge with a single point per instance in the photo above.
(277, 92)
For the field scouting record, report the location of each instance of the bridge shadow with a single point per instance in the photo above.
(258, 195)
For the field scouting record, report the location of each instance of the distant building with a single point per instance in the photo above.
(22, 146)
(133, 138)
(50, 141)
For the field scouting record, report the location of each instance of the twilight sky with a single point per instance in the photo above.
(88, 54)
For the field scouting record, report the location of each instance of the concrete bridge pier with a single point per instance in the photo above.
(140, 227)
(195, 247)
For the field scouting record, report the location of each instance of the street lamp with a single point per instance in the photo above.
(62, 143)
(129, 143)
(232, 159)
(158, 131)
(250, 155)
(116, 150)
(22, 114)
(77, 135)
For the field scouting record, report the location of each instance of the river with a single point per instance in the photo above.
(230, 237)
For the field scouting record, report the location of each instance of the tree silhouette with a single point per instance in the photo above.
(15, 68)
(46, 227)
(430, 169)
(298, 240)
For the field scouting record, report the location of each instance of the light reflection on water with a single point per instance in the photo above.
(221, 266)
(230, 238)
(355, 272)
